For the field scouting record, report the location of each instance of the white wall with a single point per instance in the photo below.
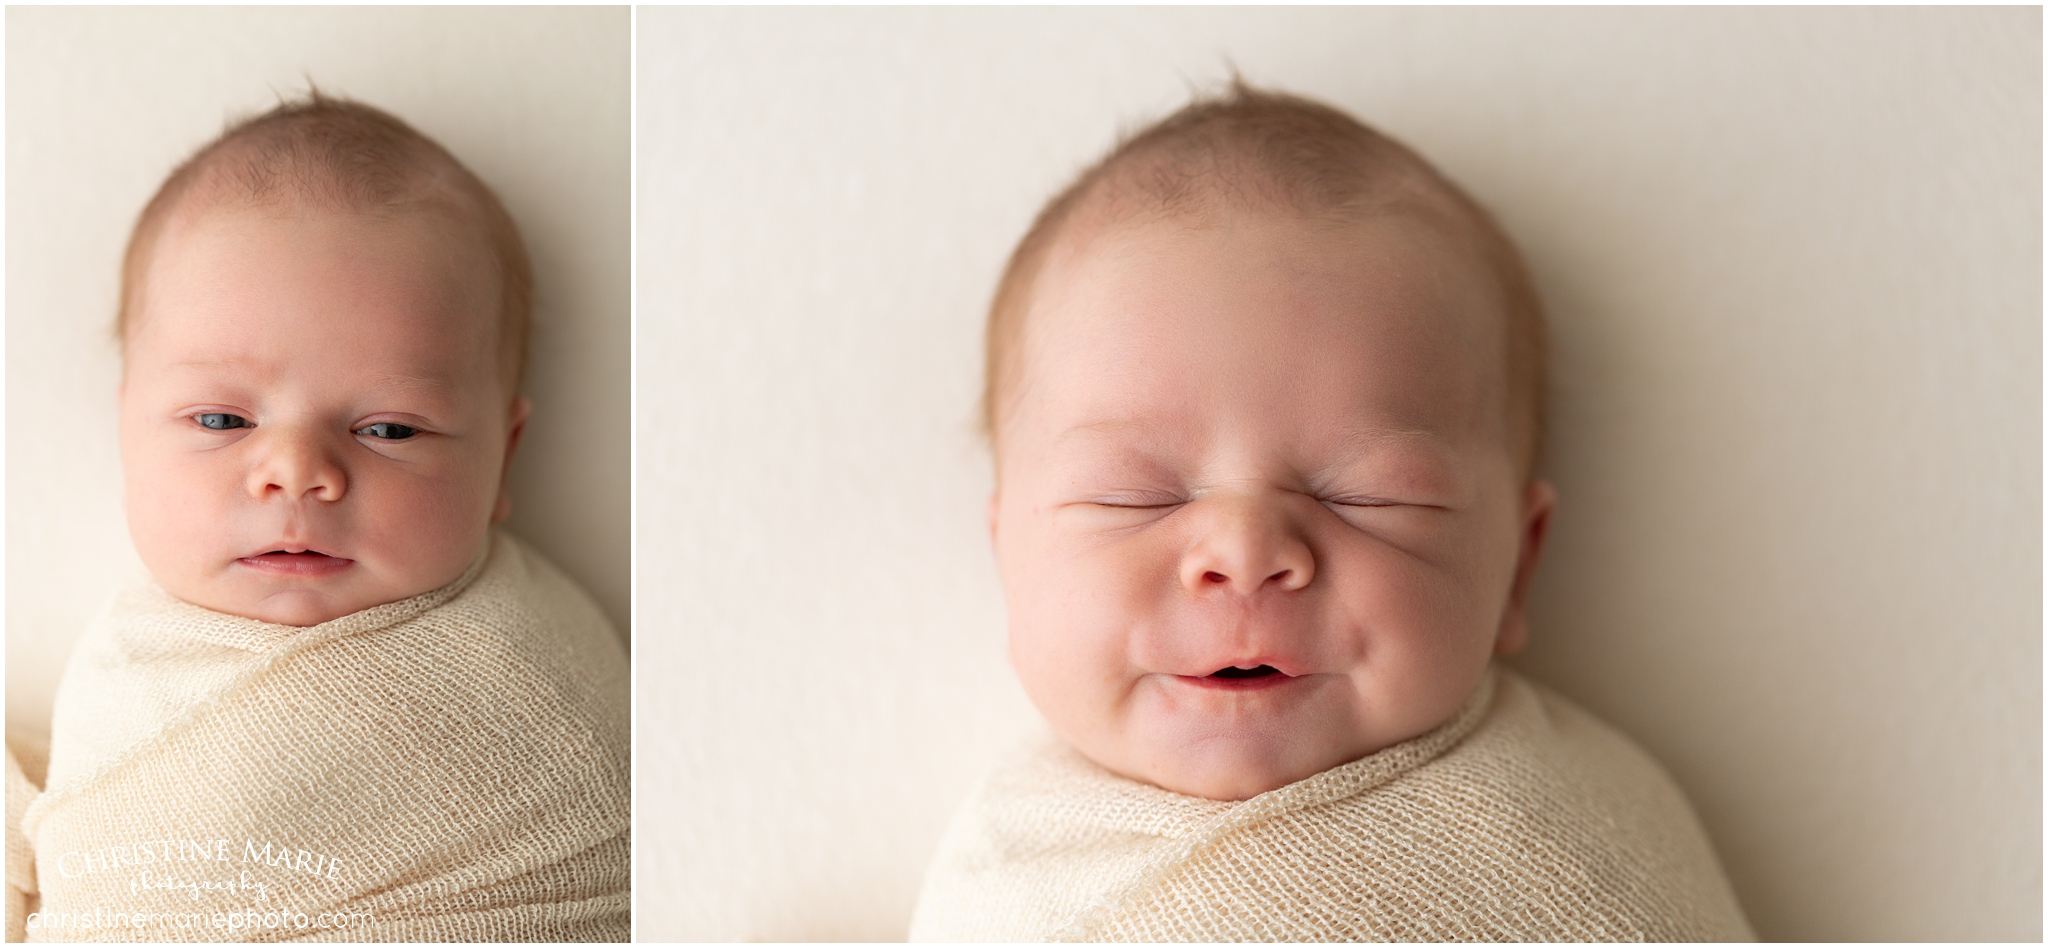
(102, 103)
(1794, 263)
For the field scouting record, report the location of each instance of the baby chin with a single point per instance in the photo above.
(1235, 733)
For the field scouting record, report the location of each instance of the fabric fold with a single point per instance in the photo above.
(450, 767)
(1523, 818)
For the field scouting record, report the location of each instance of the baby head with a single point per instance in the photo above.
(323, 324)
(1265, 395)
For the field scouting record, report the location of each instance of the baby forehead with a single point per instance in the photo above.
(1385, 322)
(238, 247)
(331, 273)
(1270, 281)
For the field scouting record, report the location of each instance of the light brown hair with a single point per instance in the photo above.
(1250, 148)
(337, 153)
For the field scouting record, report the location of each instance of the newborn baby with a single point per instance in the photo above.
(346, 708)
(1265, 396)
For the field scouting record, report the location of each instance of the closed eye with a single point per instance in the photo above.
(387, 431)
(1136, 503)
(1361, 502)
(222, 421)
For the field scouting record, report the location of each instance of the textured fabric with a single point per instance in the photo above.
(1521, 819)
(21, 857)
(450, 767)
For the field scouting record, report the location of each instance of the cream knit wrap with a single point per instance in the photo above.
(1522, 819)
(450, 767)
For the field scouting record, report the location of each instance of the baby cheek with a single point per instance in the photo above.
(179, 504)
(1100, 613)
(431, 517)
(1419, 631)
(184, 527)
(1073, 604)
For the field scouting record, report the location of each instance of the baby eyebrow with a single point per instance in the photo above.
(1399, 446)
(1136, 440)
(240, 368)
(1103, 426)
(415, 381)
(396, 380)
(1352, 441)
(1363, 440)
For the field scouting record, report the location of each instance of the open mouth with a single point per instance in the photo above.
(1235, 672)
(297, 563)
(1240, 678)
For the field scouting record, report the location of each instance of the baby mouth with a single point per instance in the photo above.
(1236, 672)
(297, 563)
(1237, 678)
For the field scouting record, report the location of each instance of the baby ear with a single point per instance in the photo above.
(1537, 502)
(522, 407)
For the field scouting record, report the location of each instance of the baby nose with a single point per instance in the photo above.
(296, 465)
(1247, 546)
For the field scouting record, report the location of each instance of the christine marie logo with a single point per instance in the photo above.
(161, 855)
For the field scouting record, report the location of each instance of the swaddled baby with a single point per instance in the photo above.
(346, 708)
(1265, 395)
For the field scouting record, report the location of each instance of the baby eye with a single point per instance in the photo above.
(222, 421)
(1137, 503)
(387, 431)
(1360, 502)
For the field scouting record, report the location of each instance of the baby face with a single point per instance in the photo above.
(313, 416)
(1258, 511)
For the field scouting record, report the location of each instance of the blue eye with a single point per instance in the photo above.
(387, 431)
(222, 421)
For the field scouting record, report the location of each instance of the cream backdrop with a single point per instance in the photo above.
(1793, 258)
(102, 103)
